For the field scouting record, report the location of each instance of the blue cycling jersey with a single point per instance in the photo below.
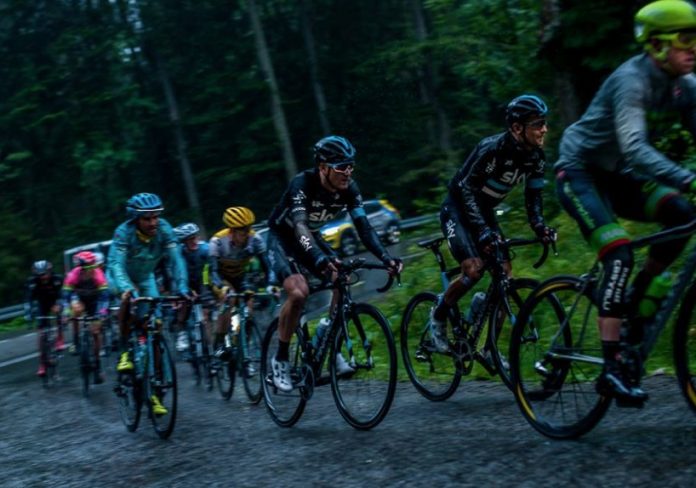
(195, 263)
(133, 259)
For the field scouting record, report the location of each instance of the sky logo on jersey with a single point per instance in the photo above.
(322, 216)
(449, 225)
(305, 243)
(513, 177)
(299, 197)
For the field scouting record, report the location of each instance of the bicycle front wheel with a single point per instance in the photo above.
(226, 373)
(502, 320)
(129, 400)
(163, 385)
(251, 363)
(285, 408)
(86, 359)
(364, 396)
(556, 359)
(435, 375)
(684, 345)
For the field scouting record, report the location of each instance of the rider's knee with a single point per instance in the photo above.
(472, 269)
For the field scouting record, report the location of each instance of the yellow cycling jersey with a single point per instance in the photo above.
(232, 260)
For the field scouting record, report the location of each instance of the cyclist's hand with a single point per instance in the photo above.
(546, 234)
(273, 290)
(326, 265)
(487, 240)
(396, 265)
(128, 294)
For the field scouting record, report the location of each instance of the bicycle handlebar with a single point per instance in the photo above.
(346, 268)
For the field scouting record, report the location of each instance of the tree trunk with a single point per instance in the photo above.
(440, 129)
(266, 64)
(317, 87)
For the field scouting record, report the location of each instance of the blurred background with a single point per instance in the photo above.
(213, 103)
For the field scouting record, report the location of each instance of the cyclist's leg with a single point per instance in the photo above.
(77, 309)
(43, 325)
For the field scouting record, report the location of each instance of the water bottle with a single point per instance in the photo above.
(476, 308)
(321, 330)
(236, 322)
(657, 290)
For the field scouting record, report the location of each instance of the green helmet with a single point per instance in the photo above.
(664, 16)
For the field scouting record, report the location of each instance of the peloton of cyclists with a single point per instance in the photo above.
(295, 245)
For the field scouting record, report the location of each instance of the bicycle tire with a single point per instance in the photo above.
(227, 374)
(129, 392)
(164, 385)
(556, 328)
(435, 375)
(45, 357)
(364, 396)
(499, 332)
(284, 408)
(251, 364)
(85, 359)
(684, 347)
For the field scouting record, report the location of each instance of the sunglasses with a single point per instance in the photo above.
(537, 124)
(680, 40)
(344, 167)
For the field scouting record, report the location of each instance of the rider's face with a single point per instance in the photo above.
(191, 244)
(148, 224)
(680, 62)
(239, 236)
(337, 180)
(535, 131)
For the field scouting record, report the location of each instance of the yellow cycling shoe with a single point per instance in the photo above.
(157, 407)
(125, 364)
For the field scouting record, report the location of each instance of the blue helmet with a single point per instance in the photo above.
(41, 267)
(143, 203)
(184, 231)
(524, 107)
(333, 150)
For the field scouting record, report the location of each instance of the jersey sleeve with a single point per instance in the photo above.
(533, 193)
(118, 253)
(472, 176)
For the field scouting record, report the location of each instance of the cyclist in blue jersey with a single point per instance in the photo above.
(196, 255)
(491, 171)
(137, 247)
(608, 166)
(295, 245)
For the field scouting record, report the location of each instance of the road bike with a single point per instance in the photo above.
(199, 347)
(556, 350)
(357, 331)
(88, 360)
(477, 336)
(241, 351)
(49, 356)
(154, 373)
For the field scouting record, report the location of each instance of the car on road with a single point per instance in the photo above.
(382, 215)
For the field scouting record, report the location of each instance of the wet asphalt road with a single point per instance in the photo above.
(54, 437)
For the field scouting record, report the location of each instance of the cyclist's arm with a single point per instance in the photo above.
(300, 221)
(260, 251)
(630, 120)
(102, 287)
(179, 273)
(213, 255)
(118, 273)
(471, 180)
(533, 196)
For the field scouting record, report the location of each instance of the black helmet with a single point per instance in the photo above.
(523, 108)
(41, 267)
(334, 150)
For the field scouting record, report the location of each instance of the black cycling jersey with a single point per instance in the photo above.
(306, 206)
(490, 172)
(46, 293)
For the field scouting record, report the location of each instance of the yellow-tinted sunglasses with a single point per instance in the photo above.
(680, 40)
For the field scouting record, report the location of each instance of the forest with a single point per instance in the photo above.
(214, 103)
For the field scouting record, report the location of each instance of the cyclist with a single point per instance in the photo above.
(85, 291)
(490, 172)
(138, 245)
(231, 250)
(295, 245)
(196, 255)
(44, 286)
(608, 166)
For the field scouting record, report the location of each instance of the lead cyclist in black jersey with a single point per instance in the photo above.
(490, 172)
(608, 165)
(314, 197)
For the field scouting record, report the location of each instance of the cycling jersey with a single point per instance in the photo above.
(196, 261)
(306, 206)
(490, 172)
(229, 262)
(133, 259)
(613, 134)
(88, 287)
(46, 293)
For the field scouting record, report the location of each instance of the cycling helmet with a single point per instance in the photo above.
(184, 231)
(236, 217)
(85, 259)
(99, 258)
(664, 17)
(334, 150)
(522, 108)
(41, 267)
(143, 203)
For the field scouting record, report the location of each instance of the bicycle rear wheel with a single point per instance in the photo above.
(364, 396)
(226, 373)
(435, 375)
(163, 385)
(285, 408)
(684, 346)
(501, 322)
(556, 359)
(129, 400)
(251, 363)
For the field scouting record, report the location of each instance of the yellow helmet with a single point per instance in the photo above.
(235, 217)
